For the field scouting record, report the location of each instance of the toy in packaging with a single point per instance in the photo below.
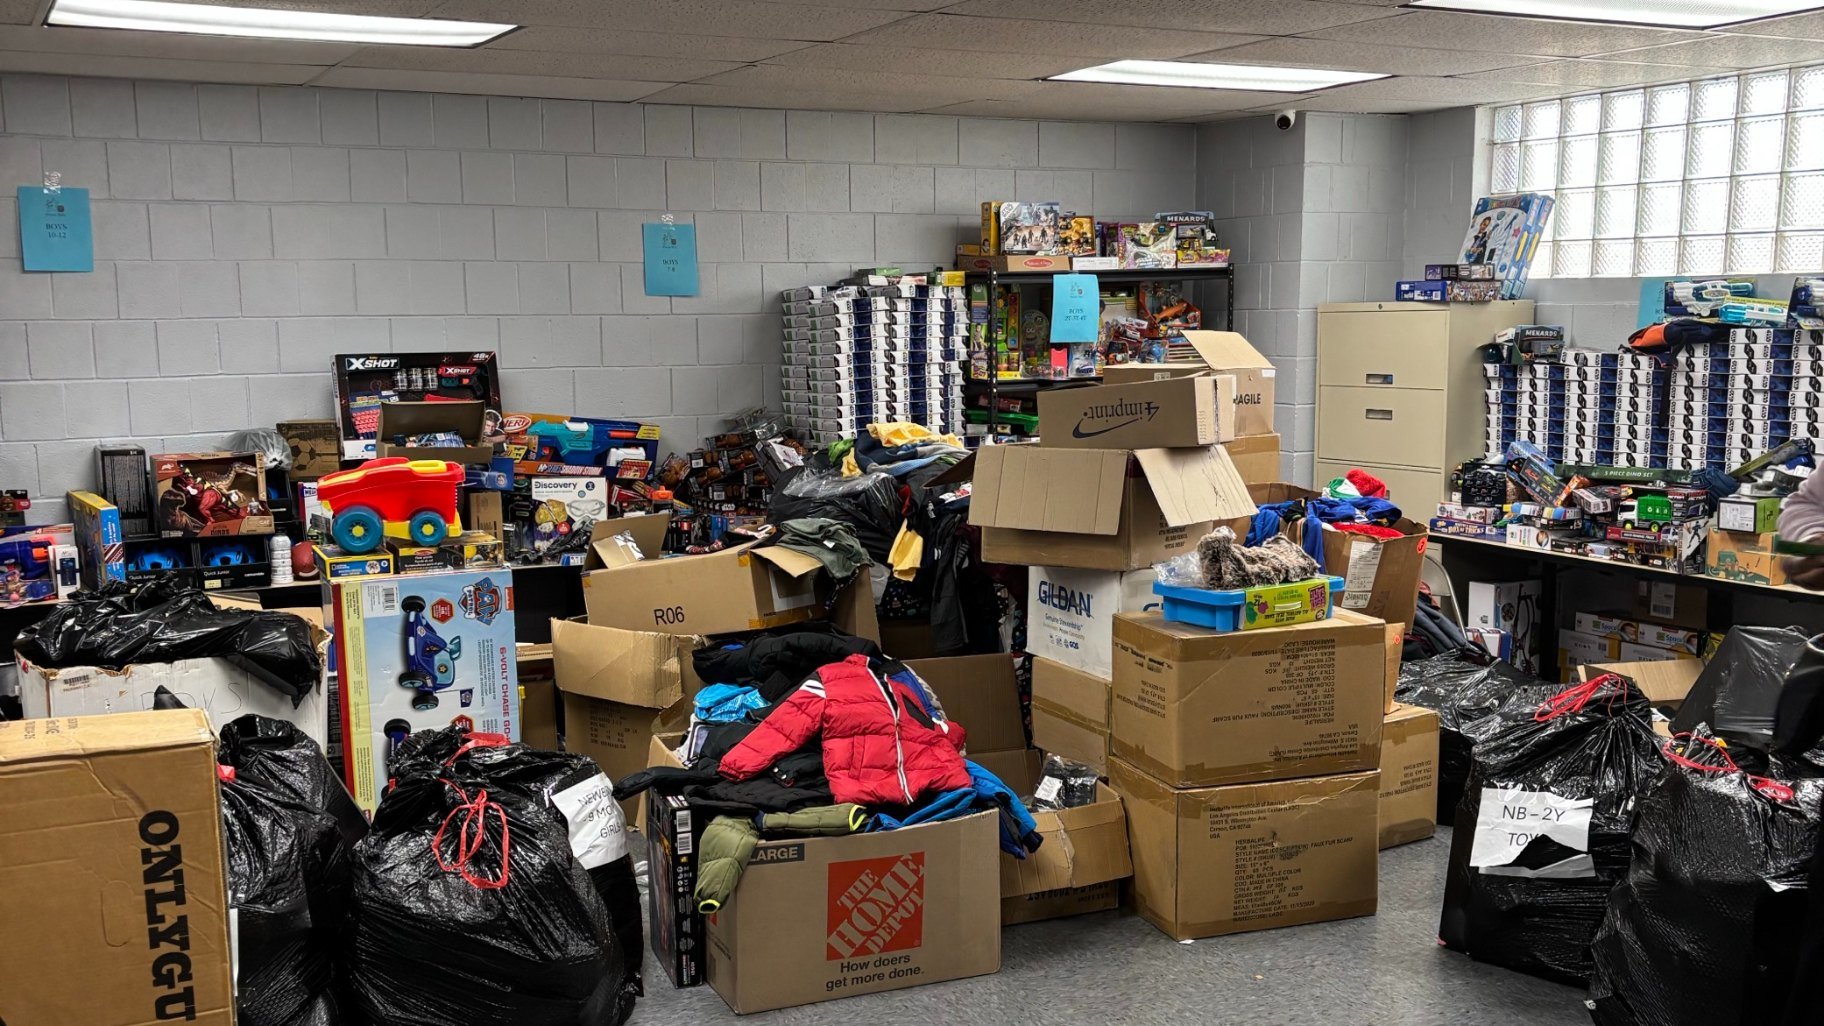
(562, 507)
(1149, 245)
(1166, 309)
(392, 497)
(1030, 227)
(1197, 242)
(148, 559)
(1505, 232)
(418, 653)
(1806, 307)
(1077, 236)
(210, 494)
(38, 564)
(98, 531)
(225, 563)
(991, 230)
(550, 444)
(365, 380)
(471, 550)
(125, 483)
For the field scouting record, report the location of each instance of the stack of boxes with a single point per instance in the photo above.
(1606, 408)
(1807, 385)
(1727, 398)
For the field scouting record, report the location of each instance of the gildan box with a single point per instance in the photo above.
(1168, 414)
(1198, 708)
(1070, 613)
(831, 917)
(421, 653)
(1070, 713)
(1409, 776)
(111, 853)
(740, 589)
(1256, 457)
(1222, 860)
(1222, 352)
(1123, 509)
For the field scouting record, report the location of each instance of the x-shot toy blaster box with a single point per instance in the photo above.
(366, 380)
(421, 652)
(556, 445)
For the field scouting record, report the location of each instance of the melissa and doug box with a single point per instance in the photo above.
(421, 652)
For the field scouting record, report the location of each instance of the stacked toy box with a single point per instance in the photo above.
(1539, 410)
(1587, 407)
(859, 354)
(1501, 388)
(1807, 421)
(1730, 401)
(926, 356)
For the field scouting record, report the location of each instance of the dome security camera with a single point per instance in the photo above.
(1285, 119)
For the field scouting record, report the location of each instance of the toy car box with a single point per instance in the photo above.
(421, 653)
(210, 494)
(449, 431)
(125, 481)
(338, 565)
(99, 537)
(471, 550)
(366, 380)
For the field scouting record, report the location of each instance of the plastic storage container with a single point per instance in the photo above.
(1244, 609)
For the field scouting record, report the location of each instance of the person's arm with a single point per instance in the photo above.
(1802, 519)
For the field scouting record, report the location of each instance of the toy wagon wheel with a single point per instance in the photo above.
(357, 529)
(412, 604)
(427, 527)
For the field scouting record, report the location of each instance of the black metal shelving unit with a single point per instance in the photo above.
(996, 387)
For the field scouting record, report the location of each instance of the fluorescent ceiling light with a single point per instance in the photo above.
(1196, 75)
(266, 23)
(1685, 14)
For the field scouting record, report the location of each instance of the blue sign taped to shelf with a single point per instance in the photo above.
(1076, 308)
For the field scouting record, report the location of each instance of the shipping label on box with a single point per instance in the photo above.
(1070, 614)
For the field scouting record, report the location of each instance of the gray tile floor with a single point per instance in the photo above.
(1114, 968)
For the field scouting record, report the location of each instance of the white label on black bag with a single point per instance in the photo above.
(1358, 583)
(1049, 789)
(598, 834)
(1510, 819)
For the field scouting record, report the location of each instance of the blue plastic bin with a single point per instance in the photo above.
(1226, 609)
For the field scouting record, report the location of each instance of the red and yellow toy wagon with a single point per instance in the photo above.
(392, 497)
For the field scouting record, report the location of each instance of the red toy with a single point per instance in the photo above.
(412, 500)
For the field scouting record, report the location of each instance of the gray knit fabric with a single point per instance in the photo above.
(1229, 564)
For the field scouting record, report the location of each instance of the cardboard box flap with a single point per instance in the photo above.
(648, 531)
(962, 471)
(1669, 680)
(1018, 487)
(1227, 350)
(632, 667)
(982, 693)
(795, 564)
(32, 740)
(1195, 485)
(1085, 845)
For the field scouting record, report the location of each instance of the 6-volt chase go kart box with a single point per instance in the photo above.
(421, 652)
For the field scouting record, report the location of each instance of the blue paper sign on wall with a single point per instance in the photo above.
(671, 259)
(54, 232)
(1076, 308)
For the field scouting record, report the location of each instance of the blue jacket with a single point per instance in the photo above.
(1019, 832)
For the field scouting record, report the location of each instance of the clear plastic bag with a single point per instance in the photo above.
(1184, 570)
(1064, 784)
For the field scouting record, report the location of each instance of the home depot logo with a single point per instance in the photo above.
(876, 906)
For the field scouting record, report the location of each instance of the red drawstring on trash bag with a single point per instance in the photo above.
(470, 836)
(1574, 699)
(478, 740)
(1765, 786)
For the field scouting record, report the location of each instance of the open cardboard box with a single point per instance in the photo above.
(1380, 575)
(607, 549)
(1070, 711)
(406, 418)
(745, 588)
(1170, 413)
(1222, 352)
(1665, 682)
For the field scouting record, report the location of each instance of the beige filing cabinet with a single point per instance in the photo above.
(1400, 391)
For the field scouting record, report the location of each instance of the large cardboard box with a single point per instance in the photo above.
(464, 419)
(1222, 860)
(1409, 776)
(1070, 613)
(1224, 352)
(111, 862)
(1100, 509)
(1256, 457)
(740, 589)
(1198, 708)
(1665, 682)
(1173, 413)
(1380, 575)
(831, 917)
(1070, 712)
(1748, 558)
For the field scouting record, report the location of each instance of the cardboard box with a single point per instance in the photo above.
(451, 633)
(1070, 711)
(1640, 632)
(1665, 682)
(1256, 457)
(1380, 575)
(111, 849)
(1396, 650)
(1196, 708)
(1511, 606)
(399, 420)
(607, 547)
(1174, 413)
(341, 566)
(1409, 776)
(538, 699)
(210, 494)
(1576, 648)
(215, 686)
(1224, 352)
(675, 929)
(1222, 860)
(1012, 262)
(99, 536)
(316, 448)
(1070, 613)
(1748, 514)
(1748, 558)
(740, 589)
(1125, 509)
(1067, 901)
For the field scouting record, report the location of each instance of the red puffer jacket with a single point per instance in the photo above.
(880, 747)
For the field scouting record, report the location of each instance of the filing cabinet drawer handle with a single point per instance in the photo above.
(1374, 414)
(1378, 379)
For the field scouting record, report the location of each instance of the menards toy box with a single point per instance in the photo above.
(420, 653)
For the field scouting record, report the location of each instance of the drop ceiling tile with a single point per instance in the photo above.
(1799, 26)
(531, 62)
(555, 39)
(485, 85)
(1720, 51)
(697, 94)
(1291, 51)
(1450, 30)
(1051, 110)
(1267, 17)
(175, 46)
(18, 12)
(1454, 91)
(1007, 35)
(381, 8)
(913, 61)
(162, 68)
(1345, 105)
(848, 82)
(746, 18)
(1578, 74)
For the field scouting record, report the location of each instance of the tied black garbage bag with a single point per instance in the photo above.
(288, 874)
(1542, 831)
(474, 902)
(1703, 930)
(1739, 690)
(162, 623)
(870, 504)
(1468, 689)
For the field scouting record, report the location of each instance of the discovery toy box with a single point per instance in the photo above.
(419, 653)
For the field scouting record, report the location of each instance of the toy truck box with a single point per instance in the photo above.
(365, 380)
(419, 653)
(210, 494)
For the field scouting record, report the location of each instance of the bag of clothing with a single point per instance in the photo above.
(870, 504)
(1467, 688)
(1542, 830)
(288, 873)
(476, 896)
(1701, 932)
(1738, 692)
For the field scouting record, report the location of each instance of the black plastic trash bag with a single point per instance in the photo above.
(288, 876)
(160, 623)
(870, 504)
(471, 907)
(1542, 831)
(1739, 690)
(1702, 931)
(281, 758)
(1466, 688)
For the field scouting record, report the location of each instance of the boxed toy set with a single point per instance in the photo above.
(124, 482)
(363, 381)
(210, 494)
(38, 564)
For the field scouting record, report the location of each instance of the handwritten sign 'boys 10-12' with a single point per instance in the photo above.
(54, 232)
(671, 259)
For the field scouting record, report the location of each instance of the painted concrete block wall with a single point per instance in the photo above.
(245, 235)
(1442, 185)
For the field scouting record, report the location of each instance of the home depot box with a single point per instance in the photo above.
(1070, 712)
(1173, 413)
(740, 589)
(1224, 352)
(831, 917)
(1122, 509)
(111, 858)
(1070, 613)
(1409, 776)
(1221, 860)
(1197, 708)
